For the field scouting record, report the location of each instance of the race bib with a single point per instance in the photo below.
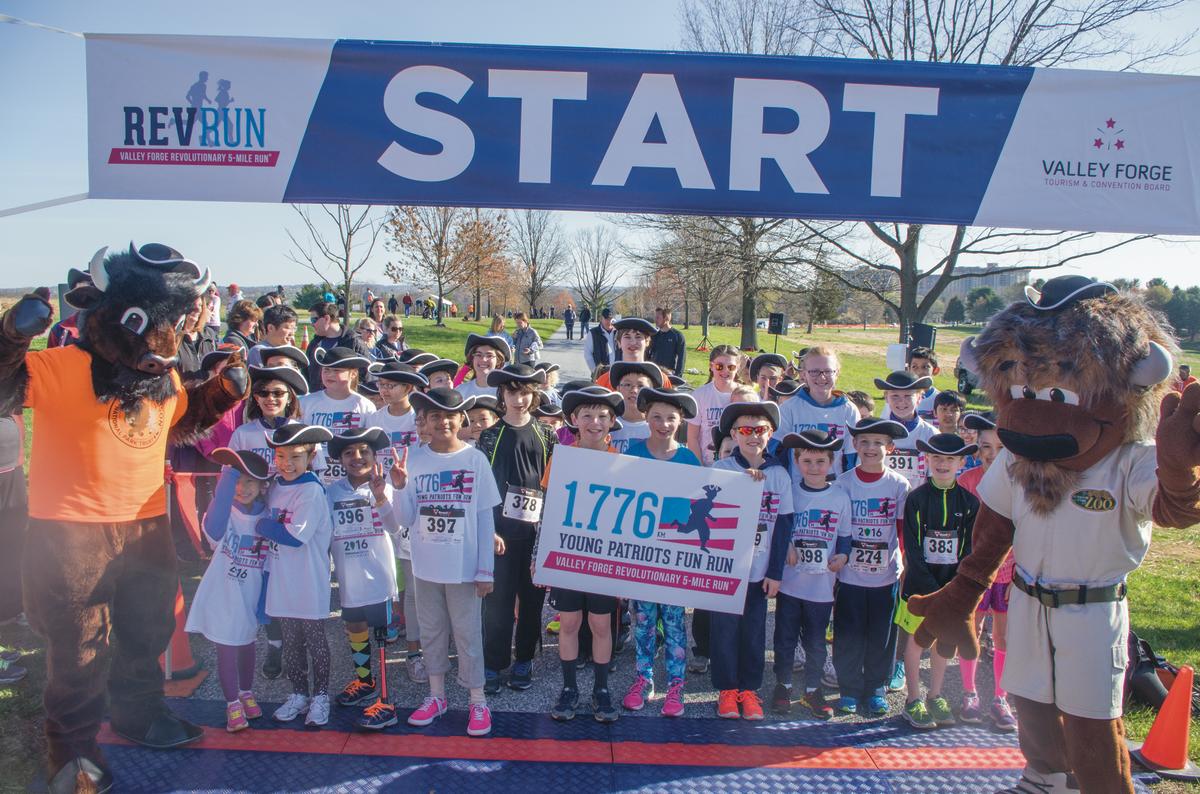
(334, 471)
(941, 548)
(523, 504)
(868, 556)
(909, 464)
(441, 524)
(812, 555)
(759, 535)
(350, 516)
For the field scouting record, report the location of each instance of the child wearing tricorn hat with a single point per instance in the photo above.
(901, 393)
(338, 405)
(631, 377)
(447, 494)
(867, 585)
(225, 609)
(484, 354)
(805, 600)
(631, 338)
(364, 560)
(518, 448)
(738, 642)
(938, 516)
(300, 530)
(766, 371)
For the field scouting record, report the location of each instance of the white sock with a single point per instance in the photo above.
(275, 643)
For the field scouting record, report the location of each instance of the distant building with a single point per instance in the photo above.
(976, 277)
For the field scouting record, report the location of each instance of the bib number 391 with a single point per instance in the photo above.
(524, 504)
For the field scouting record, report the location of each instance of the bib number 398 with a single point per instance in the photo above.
(524, 504)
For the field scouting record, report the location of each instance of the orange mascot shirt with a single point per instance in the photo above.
(91, 462)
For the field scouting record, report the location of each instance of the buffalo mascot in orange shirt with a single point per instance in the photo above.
(1097, 449)
(99, 567)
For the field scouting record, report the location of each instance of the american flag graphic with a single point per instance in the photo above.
(345, 420)
(821, 519)
(676, 511)
(456, 481)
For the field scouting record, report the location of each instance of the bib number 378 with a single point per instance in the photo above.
(523, 504)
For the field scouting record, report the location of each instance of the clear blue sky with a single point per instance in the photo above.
(42, 128)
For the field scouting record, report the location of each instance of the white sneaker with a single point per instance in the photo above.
(1034, 782)
(318, 711)
(798, 663)
(417, 672)
(829, 674)
(292, 708)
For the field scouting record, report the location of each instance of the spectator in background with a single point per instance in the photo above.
(329, 334)
(214, 307)
(376, 310)
(407, 305)
(668, 349)
(243, 320)
(265, 302)
(279, 291)
(235, 293)
(598, 344)
(585, 317)
(526, 343)
(1185, 378)
(367, 331)
(391, 340)
(198, 340)
(568, 317)
(64, 332)
(278, 328)
(393, 305)
(498, 330)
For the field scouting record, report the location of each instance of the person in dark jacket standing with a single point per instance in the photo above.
(599, 345)
(668, 349)
(585, 317)
(330, 334)
(568, 317)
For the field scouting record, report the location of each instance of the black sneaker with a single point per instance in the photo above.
(520, 677)
(781, 700)
(491, 682)
(602, 707)
(273, 664)
(564, 709)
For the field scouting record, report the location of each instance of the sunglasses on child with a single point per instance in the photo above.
(724, 367)
(757, 430)
(278, 394)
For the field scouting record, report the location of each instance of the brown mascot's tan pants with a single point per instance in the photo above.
(102, 595)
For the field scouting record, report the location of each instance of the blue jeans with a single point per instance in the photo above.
(797, 620)
(864, 638)
(646, 617)
(739, 643)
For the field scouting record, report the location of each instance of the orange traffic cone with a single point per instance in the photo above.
(304, 345)
(1165, 750)
(177, 662)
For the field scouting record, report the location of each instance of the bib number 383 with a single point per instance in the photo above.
(524, 504)
(941, 549)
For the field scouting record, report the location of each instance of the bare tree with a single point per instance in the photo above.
(690, 257)
(336, 252)
(540, 251)
(595, 267)
(1004, 32)
(440, 245)
(489, 231)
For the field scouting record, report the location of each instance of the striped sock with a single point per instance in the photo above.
(360, 653)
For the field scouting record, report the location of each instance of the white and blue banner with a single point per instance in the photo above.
(288, 120)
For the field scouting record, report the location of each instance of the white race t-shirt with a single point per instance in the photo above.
(875, 507)
(906, 460)
(339, 416)
(1097, 535)
(299, 583)
(821, 516)
(629, 432)
(709, 403)
(776, 501)
(363, 557)
(226, 603)
(402, 430)
(441, 503)
(473, 388)
(800, 413)
(252, 437)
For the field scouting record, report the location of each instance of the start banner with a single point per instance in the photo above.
(372, 122)
(648, 530)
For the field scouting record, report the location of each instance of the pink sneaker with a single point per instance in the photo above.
(639, 692)
(235, 718)
(673, 705)
(430, 710)
(250, 706)
(479, 721)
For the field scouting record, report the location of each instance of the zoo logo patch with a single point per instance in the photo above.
(139, 428)
(1097, 501)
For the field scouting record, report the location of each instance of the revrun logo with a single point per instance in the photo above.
(226, 134)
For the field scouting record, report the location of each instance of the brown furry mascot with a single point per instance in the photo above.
(1077, 374)
(99, 564)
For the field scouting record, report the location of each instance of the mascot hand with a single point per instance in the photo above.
(30, 316)
(1178, 436)
(949, 618)
(235, 377)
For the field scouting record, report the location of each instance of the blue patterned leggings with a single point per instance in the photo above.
(645, 631)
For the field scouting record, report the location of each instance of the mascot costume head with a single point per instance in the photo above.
(1078, 373)
(99, 561)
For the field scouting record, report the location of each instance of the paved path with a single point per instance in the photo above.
(567, 354)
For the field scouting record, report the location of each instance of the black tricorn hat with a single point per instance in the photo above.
(416, 357)
(731, 413)
(516, 373)
(449, 366)
(398, 372)
(291, 351)
(369, 389)
(547, 366)
(294, 433)
(946, 444)
(374, 437)
(441, 399)
(548, 410)
(974, 421)
(488, 402)
(288, 375)
(684, 402)
(884, 427)
(766, 360)
(592, 395)
(249, 463)
(620, 369)
(498, 342)
(811, 438)
(900, 380)
(634, 324)
(785, 388)
(1062, 291)
(340, 358)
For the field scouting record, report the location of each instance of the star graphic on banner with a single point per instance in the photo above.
(1110, 123)
(1120, 144)
(1098, 143)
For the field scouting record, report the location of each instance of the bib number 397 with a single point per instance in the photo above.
(524, 504)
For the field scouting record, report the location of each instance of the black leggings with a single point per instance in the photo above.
(302, 639)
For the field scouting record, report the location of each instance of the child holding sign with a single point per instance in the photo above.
(938, 517)
(364, 559)
(902, 391)
(738, 642)
(665, 412)
(518, 448)
(866, 596)
(805, 600)
(447, 494)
